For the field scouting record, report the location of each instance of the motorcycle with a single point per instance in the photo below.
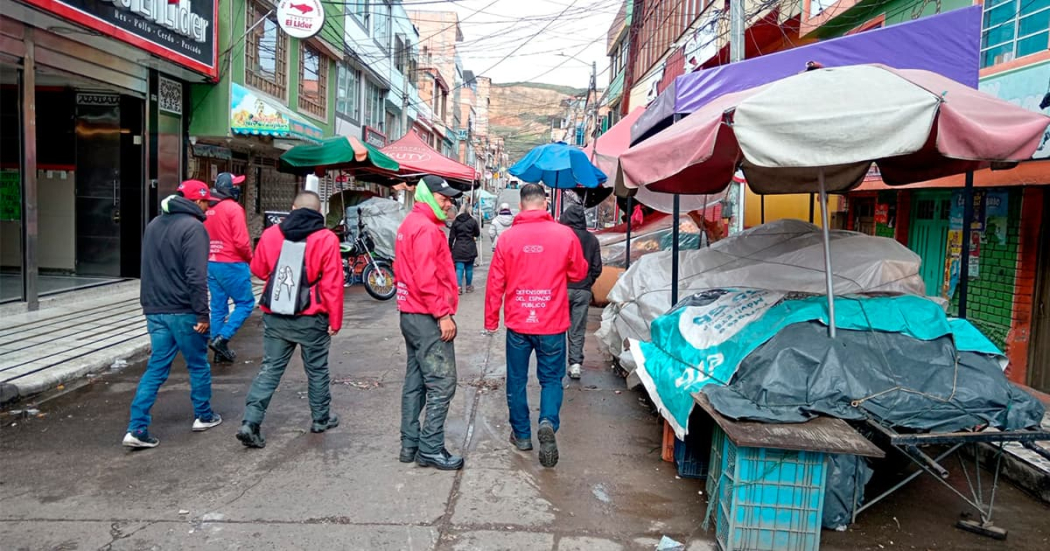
(377, 274)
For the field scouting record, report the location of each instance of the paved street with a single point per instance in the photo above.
(68, 484)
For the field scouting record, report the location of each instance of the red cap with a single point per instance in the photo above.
(195, 190)
(238, 179)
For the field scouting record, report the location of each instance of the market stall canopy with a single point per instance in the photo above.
(605, 151)
(916, 125)
(946, 44)
(559, 166)
(339, 152)
(416, 157)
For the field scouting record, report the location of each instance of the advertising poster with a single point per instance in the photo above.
(997, 209)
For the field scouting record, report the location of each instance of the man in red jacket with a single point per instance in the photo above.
(427, 296)
(228, 275)
(533, 264)
(302, 305)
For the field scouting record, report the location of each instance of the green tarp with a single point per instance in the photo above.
(334, 153)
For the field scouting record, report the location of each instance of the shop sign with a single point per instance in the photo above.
(104, 100)
(169, 96)
(373, 137)
(253, 115)
(211, 151)
(703, 44)
(300, 18)
(184, 32)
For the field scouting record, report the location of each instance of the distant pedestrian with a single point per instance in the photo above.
(303, 305)
(534, 262)
(462, 239)
(174, 297)
(427, 298)
(502, 222)
(228, 273)
(575, 217)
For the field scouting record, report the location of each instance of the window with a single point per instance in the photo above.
(1014, 28)
(348, 92)
(400, 54)
(265, 56)
(381, 24)
(359, 9)
(313, 81)
(374, 108)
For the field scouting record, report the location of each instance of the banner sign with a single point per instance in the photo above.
(300, 18)
(253, 115)
(184, 32)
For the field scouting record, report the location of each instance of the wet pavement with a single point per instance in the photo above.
(66, 482)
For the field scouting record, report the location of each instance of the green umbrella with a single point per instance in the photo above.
(339, 152)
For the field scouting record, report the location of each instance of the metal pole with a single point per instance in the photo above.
(674, 251)
(762, 199)
(811, 208)
(627, 244)
(736, 30)
(30, 214)
(964, 260)
(827, 255)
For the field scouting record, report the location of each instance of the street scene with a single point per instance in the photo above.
(567, 275)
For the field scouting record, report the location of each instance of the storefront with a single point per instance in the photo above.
(105, 86)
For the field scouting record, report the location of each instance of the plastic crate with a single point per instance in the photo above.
(692, 456)
(714, 471)
(769, 499)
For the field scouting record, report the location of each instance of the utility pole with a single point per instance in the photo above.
(736, 53)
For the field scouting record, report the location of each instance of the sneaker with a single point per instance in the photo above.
(321, 426)
(523, 444)
(407, 455)
(140, 439)
(442, 460)
(461, 290)
(574, 371)
(223, 354)
(470, 288)
(250, 436)
(200, 425)
(548, 445)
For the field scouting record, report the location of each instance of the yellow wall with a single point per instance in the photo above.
(785, 206)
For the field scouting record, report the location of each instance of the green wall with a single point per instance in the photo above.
(896, 11)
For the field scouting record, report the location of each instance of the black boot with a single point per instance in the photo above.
(223, 354)
(250, 436)
(320, 426)
(441, 460)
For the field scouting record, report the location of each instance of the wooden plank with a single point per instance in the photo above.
(822, 434)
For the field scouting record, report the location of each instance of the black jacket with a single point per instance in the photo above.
(461, 238)
(175, 261)
(576, 218)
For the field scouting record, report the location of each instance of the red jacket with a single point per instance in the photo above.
(228, 231)
(322, 263)
(533, 264)
(426, 277)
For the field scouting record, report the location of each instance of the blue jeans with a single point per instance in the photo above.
(464, 269)
(550, 370)
(229, 280)
(170, 334)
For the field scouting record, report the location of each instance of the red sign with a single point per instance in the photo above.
(882, 213)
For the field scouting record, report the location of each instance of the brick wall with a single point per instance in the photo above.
(1024, 285)
(991, 295)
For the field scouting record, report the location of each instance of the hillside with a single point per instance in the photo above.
(521, 114)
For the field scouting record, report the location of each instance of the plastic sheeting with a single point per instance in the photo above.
(382, 217)
(847, 477)
(786, 255)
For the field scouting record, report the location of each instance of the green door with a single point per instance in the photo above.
(929, 236)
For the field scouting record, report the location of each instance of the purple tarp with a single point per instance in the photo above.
(948, 44)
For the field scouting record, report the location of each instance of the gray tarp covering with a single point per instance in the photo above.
(382, 217)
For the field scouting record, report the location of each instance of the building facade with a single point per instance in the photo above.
(437, 78)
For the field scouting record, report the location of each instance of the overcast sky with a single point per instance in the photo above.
(493, 29)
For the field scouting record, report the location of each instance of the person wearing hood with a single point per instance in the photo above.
(502, 222)
(302, 304)
(427, 297)
(174, 297)
(462, 240)
(228, 273)
(575, 217)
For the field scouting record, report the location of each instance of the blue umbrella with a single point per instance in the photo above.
(560, 166)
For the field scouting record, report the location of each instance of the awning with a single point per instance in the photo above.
(415, 156)
(338, 153)
(253, 115)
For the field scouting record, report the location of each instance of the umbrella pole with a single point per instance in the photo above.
(964, 257)
(827, 254)
(627, 244)
(674, 251)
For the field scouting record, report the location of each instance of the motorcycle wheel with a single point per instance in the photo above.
(379, 280)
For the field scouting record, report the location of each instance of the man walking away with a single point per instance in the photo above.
(461, 239)
(427, 299)
(302, 305)
(174, 299)
(534, 262)
(502, 222)
(228, 273)
(575, 217)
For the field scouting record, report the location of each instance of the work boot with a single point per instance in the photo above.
(223, 354)
(442, 460)
(523, 444)
(548, 445)
(320, 426)
(408, 455)
(250, 436)
(574, 371)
